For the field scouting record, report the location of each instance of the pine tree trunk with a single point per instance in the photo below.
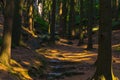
(5, 53)
(63, 18)
(65, 11)
(17, 24)
(116, 10)
(52, 24)
(81, 26)
(90, 25)
(71, 19)
(104, 59)
(30, 14)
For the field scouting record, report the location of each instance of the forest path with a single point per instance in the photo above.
(72, 62)
(68, 62)
(76, 57)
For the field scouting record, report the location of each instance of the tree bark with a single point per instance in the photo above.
(90, 25)
(81, 22)
(71, 19)
(52, 24)
(104, 59)
(30, 16)
(17, 22)
(5, 53)
(63, 18)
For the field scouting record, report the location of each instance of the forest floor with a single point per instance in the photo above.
(59, 62)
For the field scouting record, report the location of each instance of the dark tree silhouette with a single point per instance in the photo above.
(81, 26)
(17, 23)
(52, 24)
(90, 24)
(104, 60)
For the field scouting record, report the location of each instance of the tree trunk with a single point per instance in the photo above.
(116, 10)
(30, 14)
(63, 18)
(5, 53)
(43, 2)
(90, 24)
(71, 19)
(17, 23)
(104, 59)
(81, 26)
(52, 24)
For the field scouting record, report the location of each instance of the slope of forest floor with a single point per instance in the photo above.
(34, 64)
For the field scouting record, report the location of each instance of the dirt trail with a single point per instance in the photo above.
(82, 60)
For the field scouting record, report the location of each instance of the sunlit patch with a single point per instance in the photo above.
(63, 40)
(16, 69)
(81, 56)
(60, 12)
(96, 28)
(14, 63)
(117, 45)
(22, 71)
(41, 50)
(83, 59)
(37, 63)
(67, 56)
(53, 51)
(3, 67)
(26, 63)
(30, 32)
(117, 60)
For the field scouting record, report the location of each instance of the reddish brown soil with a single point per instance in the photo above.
(28, 57)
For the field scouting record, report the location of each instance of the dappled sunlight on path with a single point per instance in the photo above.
(69, 61)
(60, 55)
(67, 56)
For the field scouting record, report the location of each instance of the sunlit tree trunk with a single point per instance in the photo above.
(52, 24)
(30, 16)
(17, 22)
(104, 60)
(5, 53)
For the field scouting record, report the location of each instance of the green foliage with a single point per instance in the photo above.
(1, 41)
(46, 37)
(41, 23)
(77, 19)
(116, 25)
(117, 48)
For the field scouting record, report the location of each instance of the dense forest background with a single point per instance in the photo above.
(59, 39)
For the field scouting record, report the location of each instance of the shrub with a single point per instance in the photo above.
(1, 41)
(40, 24)
(115, 25)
